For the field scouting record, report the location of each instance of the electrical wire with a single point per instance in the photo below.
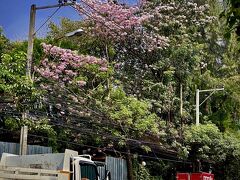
(87, 131)
(109, 136)
(129, 140)
(47, 20)
(55, 121)
(73, 126)
(81, 145)
(77, 105)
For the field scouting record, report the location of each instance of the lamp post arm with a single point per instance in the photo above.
(197, 100)
(209, 90)
(207, 97)
(54, 6)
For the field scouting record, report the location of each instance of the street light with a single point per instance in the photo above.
(77, 32)
(197, 100)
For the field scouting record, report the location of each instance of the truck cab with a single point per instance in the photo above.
(55, 166)
(84, 168)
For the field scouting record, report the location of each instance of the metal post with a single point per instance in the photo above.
(197, 107)
(197, 100)
(23, 140)
(181, 101)
(30, 40)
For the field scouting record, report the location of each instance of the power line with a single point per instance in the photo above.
(47, 20)
(65, 102)
(84, 131)
(88, 132)
(109, 136)
(112, 125)
(74, 143)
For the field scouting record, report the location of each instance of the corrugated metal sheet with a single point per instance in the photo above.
(101, 171)
(13, 148)
(117, 167)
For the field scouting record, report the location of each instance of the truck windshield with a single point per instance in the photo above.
(88, 172)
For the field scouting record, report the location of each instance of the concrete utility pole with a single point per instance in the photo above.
(23, 140)
(181, 100)
(32, 32)
(30, 40)
(197, 100)
(197, 107)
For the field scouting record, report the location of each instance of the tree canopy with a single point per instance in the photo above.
(117, 87)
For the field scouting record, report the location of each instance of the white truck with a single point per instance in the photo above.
(56, 166)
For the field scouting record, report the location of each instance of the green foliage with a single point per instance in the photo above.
(13, 82)
(131, 112)
(4, 43)
(140, 172)
(139, 96)
(232, 15)
(206, 141)
(40, 126)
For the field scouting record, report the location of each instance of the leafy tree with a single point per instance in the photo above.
(19, 95)
(232, 14)
(4, 43)
(205, 143)
(117, 86)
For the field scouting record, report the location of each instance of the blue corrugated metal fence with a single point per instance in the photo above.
(13, 148)
(117, 167)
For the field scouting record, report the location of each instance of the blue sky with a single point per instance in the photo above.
(14, 16)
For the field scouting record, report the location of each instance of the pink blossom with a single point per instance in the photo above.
(66, 79)
(61, 67)
(117, 22)
(67, 66)
(70, 73)
(103, 69)
(55, 77)
(117, 65)
(81, 83)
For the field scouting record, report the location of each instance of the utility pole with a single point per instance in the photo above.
(181, 100)
(23, 140)
(197, 100)
(32, 32)
(197, 107)
(30, 40)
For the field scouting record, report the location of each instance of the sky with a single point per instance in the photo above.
(14, 17)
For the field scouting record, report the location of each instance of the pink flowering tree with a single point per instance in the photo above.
(151, 45)
(78, 86)
(154, 46)
(68, 68)
(154, 70)
(119, 23)
(67, 76)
